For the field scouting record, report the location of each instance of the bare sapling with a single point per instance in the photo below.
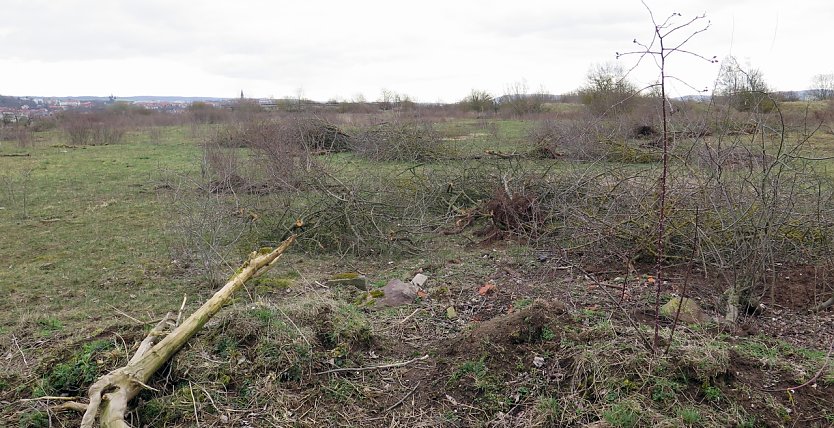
(670, 37)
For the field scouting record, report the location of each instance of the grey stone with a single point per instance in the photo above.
(397, 293)
(419, 280)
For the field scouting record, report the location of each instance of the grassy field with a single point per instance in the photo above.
(88, 263)
(83, 229)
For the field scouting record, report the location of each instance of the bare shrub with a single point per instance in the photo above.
(43, 124)
(154, 134)
(730, 156)
(608, 91)
(204, 113)
(221, 167)
(92, 128)
(572, 139)
(206, 226)
(105, 133)
(479, 102)
(825, 117)
(399, 140)
(745, 89)
(22, 135)
(591, 140)
(517, 100)
(78, 128)
(282, 150)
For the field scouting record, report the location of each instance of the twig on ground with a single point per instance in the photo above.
(137, 321)
(22, 355)
(400, 401)
(404, 320)
(191, 390)
(380, 367)
(48, 398)
(70, 405)
(182, 306)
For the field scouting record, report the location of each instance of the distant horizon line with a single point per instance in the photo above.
(217, 98)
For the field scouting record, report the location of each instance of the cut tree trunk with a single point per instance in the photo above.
(113, 391)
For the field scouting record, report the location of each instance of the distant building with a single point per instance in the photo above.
(268, 103)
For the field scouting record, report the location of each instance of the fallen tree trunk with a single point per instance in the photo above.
(824, 305)
(113, 391)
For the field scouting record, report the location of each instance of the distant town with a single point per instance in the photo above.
(25, 109)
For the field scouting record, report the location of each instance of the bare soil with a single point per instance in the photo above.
(549, 345)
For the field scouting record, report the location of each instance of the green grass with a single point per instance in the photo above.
(625, 414)
(93, 230)
(94, 236)
(690, 416)
(475, 369)
(549, 408)
(80, 370)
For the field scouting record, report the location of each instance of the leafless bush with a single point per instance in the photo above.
(729, 157)
(572, 139)
(221, 167)
(42, 124)
(399, 140)
(22, 135)
(335, 209)
(92, 128)
(208, 226)
(203, 113)
(517, 100)
(17, 189)
(825, 117)
(78, 128)
(607, 91)
(591, 140)
(105, 133)
(281, 151)
(305, 132)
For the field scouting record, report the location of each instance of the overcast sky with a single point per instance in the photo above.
(430, 50)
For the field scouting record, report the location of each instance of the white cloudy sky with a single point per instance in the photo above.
(431, 50)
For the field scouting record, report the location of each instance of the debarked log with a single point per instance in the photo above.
(113, 391)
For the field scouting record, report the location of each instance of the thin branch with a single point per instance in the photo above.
(22, 355)
(380, 367)
(400, 401)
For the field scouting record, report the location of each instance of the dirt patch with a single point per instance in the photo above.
(801, 287)
(765, 392)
